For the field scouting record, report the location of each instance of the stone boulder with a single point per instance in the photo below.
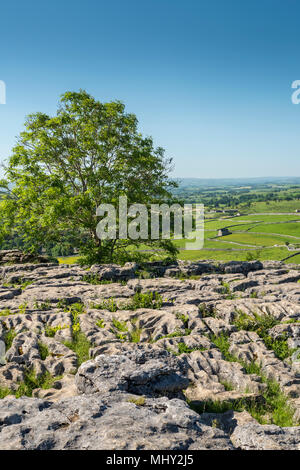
(114, 422)
(114, 272)
(243, 267)
(253, 436)
(18, 257)
(146, 371)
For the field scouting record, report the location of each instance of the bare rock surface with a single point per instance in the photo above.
(115, 422)
(144, 371)
(250, 436)
(185, 357)
(17, 256)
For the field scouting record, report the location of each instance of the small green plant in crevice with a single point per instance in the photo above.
(261, 325)
(174, 334)
(43, 350)
(207, 311)
(243, 321)
(121, 336)
(95, 279)
(182, 348)
(291, 320)
(139, 300)
(145, 300)
(100, 323)
(279, 346)
(107, 304)
(275, 404)
(48, 380)
(226, 291)
(50, 331)
(77, 308)
(264, 322)
(143, 274)
(5, 312)
(19, 283)
(183, 318)
(79, 344)
(6, 284)
(42, 305)
(140, 401)
(251, 367)
(217, 406)
(9, 336)
(222, 343)
(135, 333)
(253, 295)
(215, 423)
(120, 325)
(4, 392)
(25, 284)
(120, 329)
(187, 277)
(227, 385)
(22, 308)
(62, 303)
(32, 381)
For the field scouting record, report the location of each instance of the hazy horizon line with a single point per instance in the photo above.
(234, 177)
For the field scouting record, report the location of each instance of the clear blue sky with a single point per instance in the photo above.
(209, 80)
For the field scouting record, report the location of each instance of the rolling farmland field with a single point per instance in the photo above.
(262, 217)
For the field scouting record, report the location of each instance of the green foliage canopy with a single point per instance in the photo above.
(64, 167)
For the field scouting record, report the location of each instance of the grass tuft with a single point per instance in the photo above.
(275, 406)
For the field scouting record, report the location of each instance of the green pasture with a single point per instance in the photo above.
(267, 218)
(274, 206)
(249, 238)
(291, 228)
(260, 230)
(243, 255)
(68, 259)
(294, 259)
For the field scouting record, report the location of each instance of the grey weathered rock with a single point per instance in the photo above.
(252, 436)
(227, 421)
(2, 353)
(242, 266)
(249, 347)
(208, 373)
(113, 422)
(143, 360)
(143, 371)
(17, 256)
(114, 272)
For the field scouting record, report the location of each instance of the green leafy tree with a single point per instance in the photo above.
(64, 167)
